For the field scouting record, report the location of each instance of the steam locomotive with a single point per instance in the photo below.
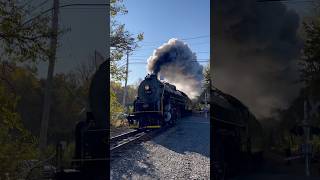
(237, 136)
(158, 103)
(90, 159)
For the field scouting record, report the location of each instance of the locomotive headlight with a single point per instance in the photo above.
(146, 87)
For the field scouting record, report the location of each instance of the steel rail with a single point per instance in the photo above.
(123, 136)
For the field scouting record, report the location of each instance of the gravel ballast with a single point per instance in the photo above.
(182, 152)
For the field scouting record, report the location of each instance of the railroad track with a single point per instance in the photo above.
(123, 141)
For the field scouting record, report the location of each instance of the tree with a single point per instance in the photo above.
(207, 78)
(206, 86)
(22, 39)
(69, 98)
(118, 89)
(310, 61)
(83, 75)
(16, 142)
(115, 107)
(23, 83)
(121, 40)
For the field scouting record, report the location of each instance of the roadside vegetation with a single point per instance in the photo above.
(283, 130)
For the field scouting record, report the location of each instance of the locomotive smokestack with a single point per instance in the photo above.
(175, 62)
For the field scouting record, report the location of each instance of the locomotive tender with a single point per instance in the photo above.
(158, 103)
(237, 135)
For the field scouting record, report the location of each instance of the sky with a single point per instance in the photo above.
(161, 21)
(303, 8)
(257, 47)
(87, 33)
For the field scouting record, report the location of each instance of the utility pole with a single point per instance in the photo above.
(126, 81)
(95, 60)
(206, 104)
(48, 87)
(306, 128)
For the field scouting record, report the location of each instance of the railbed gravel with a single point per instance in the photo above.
(181, 152)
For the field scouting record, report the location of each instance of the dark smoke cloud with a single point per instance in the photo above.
(256, 48)
(178, 65)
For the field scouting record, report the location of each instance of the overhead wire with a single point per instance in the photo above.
(27, 3)
(189, 38)
(39, 5)
(65, 5)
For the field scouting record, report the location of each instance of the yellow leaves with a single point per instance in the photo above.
(16, 142)
(115, 106)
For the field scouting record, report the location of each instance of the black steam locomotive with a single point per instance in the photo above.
(91, 135)
(237, 136)
(158, 103)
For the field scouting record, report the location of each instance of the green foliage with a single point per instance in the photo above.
(115, 107)
(116, 96)
(284, 120)
(310, 61)
(316, 143)
(199, 103)
(117, 72)
(121, 40)
(23, 83)
(207, 78)
(121, 43)
(20, 38)
(69, 99)
(118, 89)
(16, 142)
(68, 154)
(117, 8)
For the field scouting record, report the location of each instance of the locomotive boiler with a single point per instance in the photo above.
(158, 103)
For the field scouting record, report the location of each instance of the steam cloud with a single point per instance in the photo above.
(256, 48)
(177, 64)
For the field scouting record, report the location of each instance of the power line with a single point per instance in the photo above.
(157, 45)
(145, 59)
(83, 8)
(135, 62)
(84, 4)
(189, 38)
(154, 48)
(201, 52)
(25, 4)
(39, 5)
(196, 37)
(62, 6)
(199, 43)
(147, 56)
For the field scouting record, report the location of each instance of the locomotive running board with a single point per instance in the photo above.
(152, 126)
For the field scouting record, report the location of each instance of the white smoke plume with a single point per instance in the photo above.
(256, 50)
(178, 65)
